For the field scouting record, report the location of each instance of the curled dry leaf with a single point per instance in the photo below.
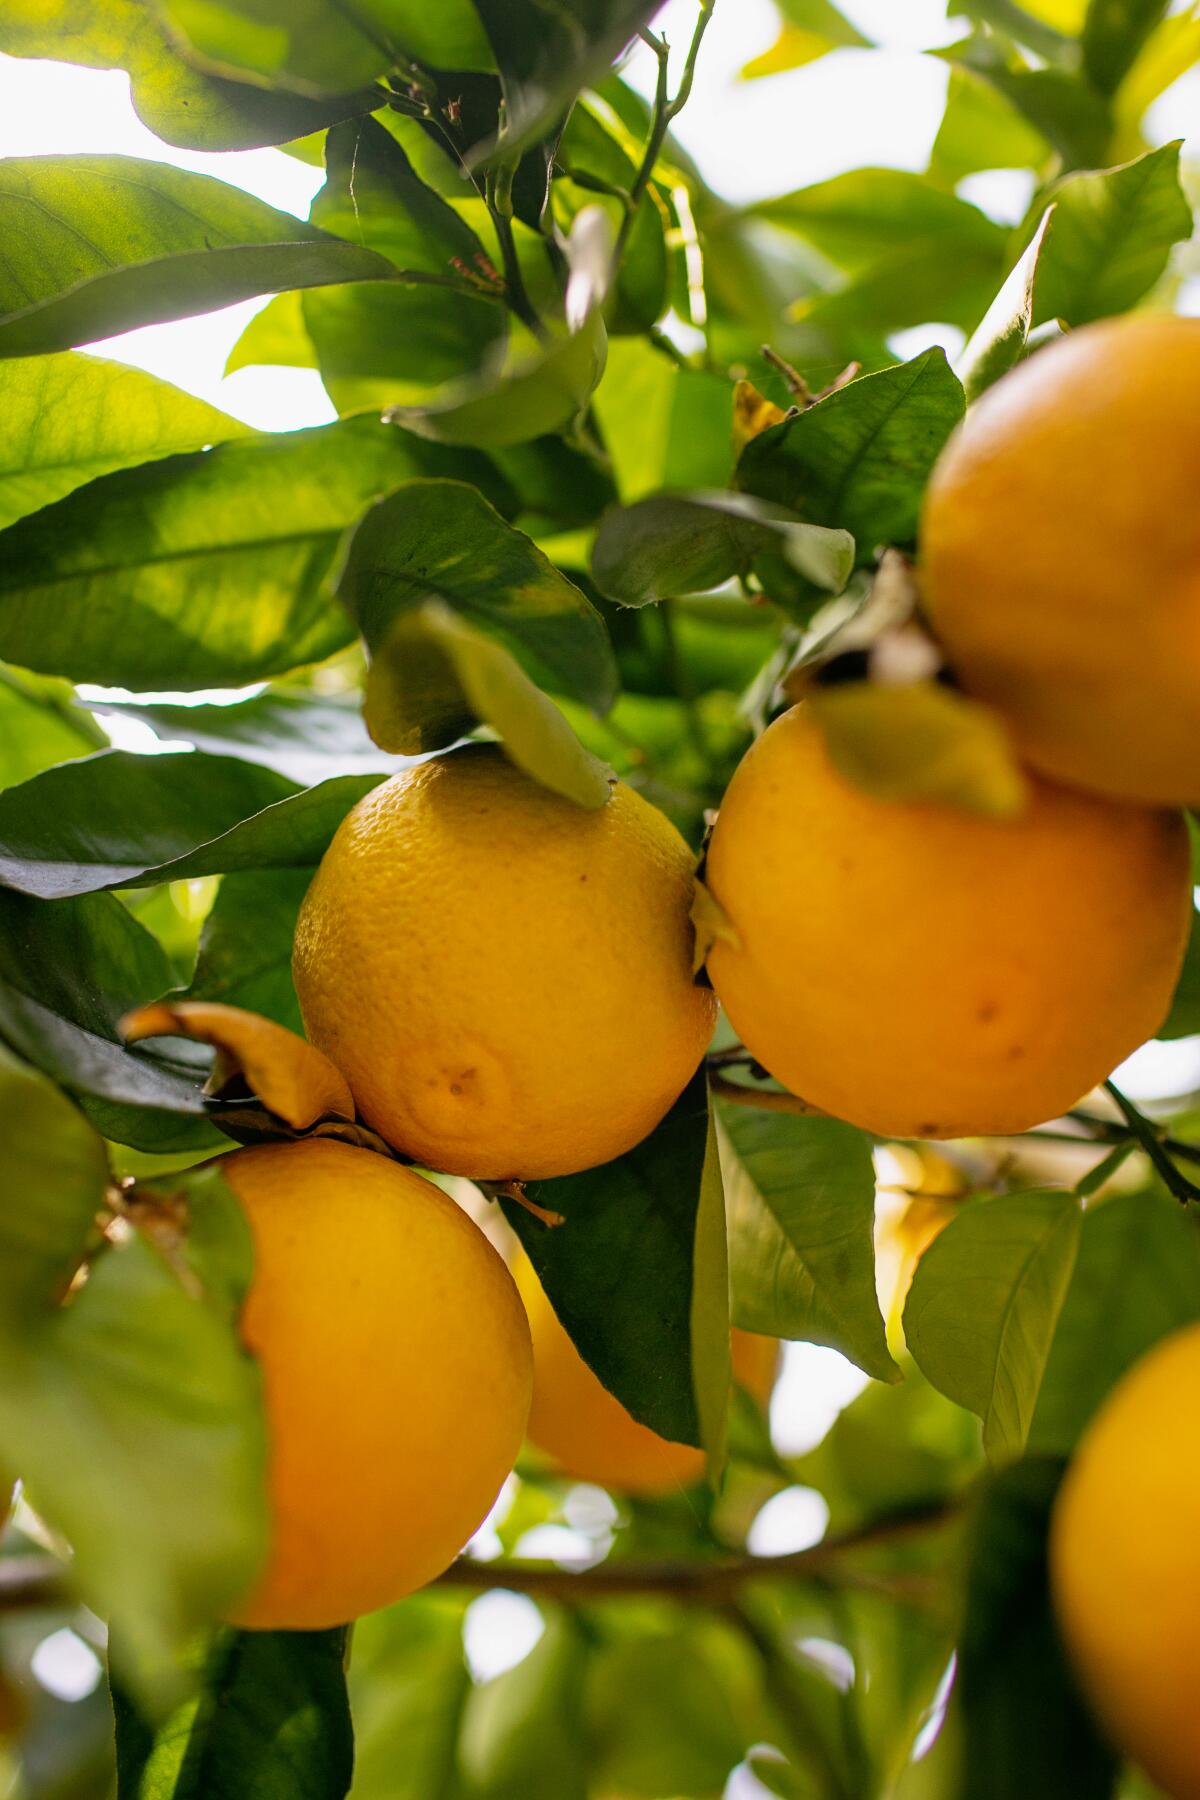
(292, 1078)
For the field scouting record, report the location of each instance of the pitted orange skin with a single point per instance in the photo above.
(396, 1372)
(1060, 557)
(503, 978)
(926, 972)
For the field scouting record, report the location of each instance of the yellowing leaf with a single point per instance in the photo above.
(712, 923)
(752, 413)
(292, 1078)
(920, 742)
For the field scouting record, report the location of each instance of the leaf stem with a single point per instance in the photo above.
(498, 196)
(1174, 1179)
(665, 110)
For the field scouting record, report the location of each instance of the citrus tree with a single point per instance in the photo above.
(696, 819)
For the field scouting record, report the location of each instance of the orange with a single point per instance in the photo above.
(926, 972)
(396, 1373)
(503, 978)
(585, 1429)
(1060, 550)
(1125, 1562)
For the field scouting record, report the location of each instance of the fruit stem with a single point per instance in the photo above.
(767, 1101)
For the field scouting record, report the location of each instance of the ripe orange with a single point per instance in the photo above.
(1060, 550)
(396, 1371)
(587, 1431)
(1125, 1562)
(503, 978)
(926, 972)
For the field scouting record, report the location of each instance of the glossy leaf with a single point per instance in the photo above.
(630, 1229)
(98, 244)
(1110, 237)
(69, 418)
(801, 1200)
(317, 47)
(1028, 1735)
(442, 541)
(859, 459)
(1137, 1278)
(546, 51)
(270, 1718)
(90, 1395)
(178, 102)
(40, 725)
(300, 733)
(999, 340)
(122, 820)
(205, 570)
(688, 543)
(984, 1304)
(69, 972)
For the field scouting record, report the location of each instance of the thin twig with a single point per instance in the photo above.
(1174, 1179)
(766, 1099)
(498, 195)
(665, 110)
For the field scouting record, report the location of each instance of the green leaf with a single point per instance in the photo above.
(40, 725)
(121, 820)
(631, 1230)
(133, 1411)
(408, 1685)
(999, 340)
(801, 1198)
(1110, 237)
(984, 1303)
(1072, 117)
(383, 344)
(69, 418)
(245, 955)
(665, 427)
(920, 742)
(270, 1718)
(546, 51)
(69, 971)
(300, 733)
(522, 1732)
(177, 102)
(664, 1712)
(859, 459)
(811, 28)
(1137, 1278)
(442, 541)
(687, 543)
(982, 129)
(316, 46)
(1183, 1020)
(205, 570)
(712, 1367)
(1113, 34)
(855, 218)
(98, 244)
(1028, 1735)
(526, 399)
(276, 337)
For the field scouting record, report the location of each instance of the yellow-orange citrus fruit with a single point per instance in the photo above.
(585, 1429)
(1060, 548)
(396, 1373)
(503, 978)
(1125, 1562)
(926, 972)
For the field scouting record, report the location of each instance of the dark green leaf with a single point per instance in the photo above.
(1110, 236)
(984, 1304)
(525, 399)
(316, 46)
(687, 543)
(1113, 33)
(801, 1198)
(98, 244)
(442, 541)
(271, 1719)
(631, 1230)
(1028, 1735)
(1183, 1020)
(1137, 1278)
(132, 1412)
(69, 971)
(121, 820)
(205, 570)
(546, 51)
(177, 102)
(40, 725)
(305, 735)
(69, 418)
(245, 956)
(712, 1366)
(859, 459)
(557, 485)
